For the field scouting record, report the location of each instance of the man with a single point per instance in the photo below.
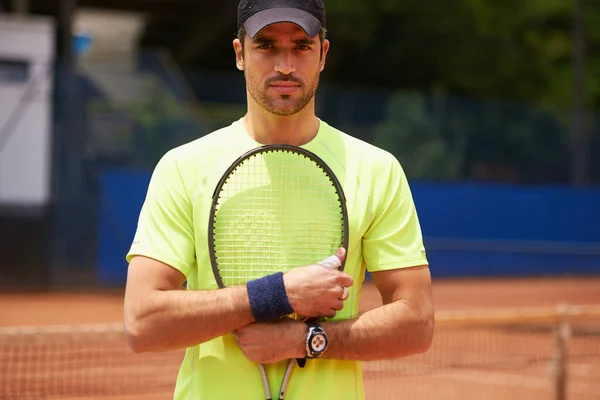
(281, 48)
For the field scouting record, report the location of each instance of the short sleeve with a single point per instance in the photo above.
(165, 226)
(394, 239)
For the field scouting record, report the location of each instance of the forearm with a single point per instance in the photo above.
(390, 331)
(172, 319)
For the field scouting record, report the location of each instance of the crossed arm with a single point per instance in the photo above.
(402, 326)
(158, 316)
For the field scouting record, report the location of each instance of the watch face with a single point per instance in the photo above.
(318, 343)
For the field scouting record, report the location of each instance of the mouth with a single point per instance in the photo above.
(285, 87)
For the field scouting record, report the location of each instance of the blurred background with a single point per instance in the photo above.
(491, 107)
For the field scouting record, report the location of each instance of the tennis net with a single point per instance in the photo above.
(517, 354)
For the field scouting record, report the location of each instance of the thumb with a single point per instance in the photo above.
(334, 261)
(341, 254)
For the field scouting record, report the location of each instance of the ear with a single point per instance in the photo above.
(239, 54)
(324, 54)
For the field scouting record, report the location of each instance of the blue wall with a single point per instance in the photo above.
(123, 193)
(491, 230)
(469, 229)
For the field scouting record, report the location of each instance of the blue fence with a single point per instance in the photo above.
(470, 229)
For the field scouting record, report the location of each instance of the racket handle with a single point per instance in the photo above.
(286, 378)
(265, 379)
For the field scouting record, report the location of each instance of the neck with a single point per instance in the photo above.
(267, 128)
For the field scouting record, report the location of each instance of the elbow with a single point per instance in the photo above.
(421, 337)
(424, 324)
(136, 335)
(427, 327)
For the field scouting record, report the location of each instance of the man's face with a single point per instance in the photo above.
(282, 67)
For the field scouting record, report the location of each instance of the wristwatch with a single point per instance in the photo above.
(316, 341)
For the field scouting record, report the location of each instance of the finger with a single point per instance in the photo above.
(338, 305)
(249, 355)
(332, 262)
(239, 340)
(341, 253)
(345, 294)
(240, 345)
(342, 292)
(331, 314)
(345, 280)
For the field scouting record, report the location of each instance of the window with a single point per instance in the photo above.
(14, 71)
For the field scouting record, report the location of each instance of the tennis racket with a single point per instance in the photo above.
(275, 208)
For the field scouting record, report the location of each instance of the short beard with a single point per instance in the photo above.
(263, 100)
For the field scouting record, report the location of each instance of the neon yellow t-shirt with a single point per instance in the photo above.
(172, 228)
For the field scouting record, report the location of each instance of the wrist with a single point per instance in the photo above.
(289, 291)
(268, 298)
(299, 347)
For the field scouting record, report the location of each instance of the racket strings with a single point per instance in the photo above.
(270, 210)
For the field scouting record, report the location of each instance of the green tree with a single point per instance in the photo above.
(414, 135)
(501, 50)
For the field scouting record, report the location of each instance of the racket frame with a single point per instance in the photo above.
(265, 149)
(211, 225)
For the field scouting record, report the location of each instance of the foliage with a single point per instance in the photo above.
(415, 137)
(449, 138)
(513, 50)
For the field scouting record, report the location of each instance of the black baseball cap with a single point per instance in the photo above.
(258, 14)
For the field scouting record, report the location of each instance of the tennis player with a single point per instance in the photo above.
(281, 49)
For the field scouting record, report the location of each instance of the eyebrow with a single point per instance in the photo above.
(305, 41)
(270, 40)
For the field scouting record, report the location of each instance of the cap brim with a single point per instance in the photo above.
(262, 19)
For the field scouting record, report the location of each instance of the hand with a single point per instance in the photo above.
(318, 290)
(271, 342)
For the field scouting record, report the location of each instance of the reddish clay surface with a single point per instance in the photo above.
(462, 364)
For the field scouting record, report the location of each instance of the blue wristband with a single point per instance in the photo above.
(268, 298)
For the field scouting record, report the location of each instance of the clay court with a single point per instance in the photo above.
(89, 360)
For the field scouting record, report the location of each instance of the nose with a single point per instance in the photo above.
(285, 63)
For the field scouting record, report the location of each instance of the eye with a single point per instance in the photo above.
(265, 46)
(303, 47)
